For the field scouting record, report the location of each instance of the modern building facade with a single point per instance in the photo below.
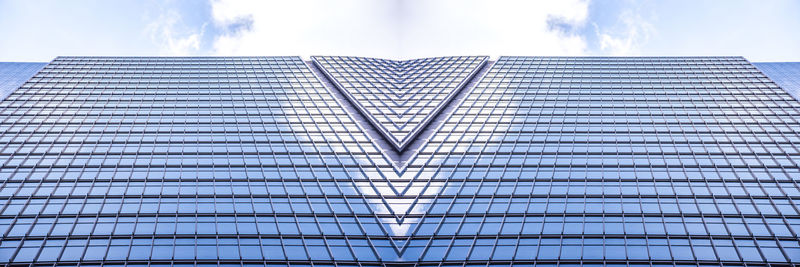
(14, 74)
(785, 74)
(348, 161)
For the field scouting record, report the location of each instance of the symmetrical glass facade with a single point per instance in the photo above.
(664, 161)
(785, 74)
(400, 97)
(14, 74)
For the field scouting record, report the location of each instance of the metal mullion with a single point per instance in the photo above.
(505, 168)
(258, 155)
(83, 199)
(350, 152)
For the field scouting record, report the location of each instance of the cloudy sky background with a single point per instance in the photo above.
(765, 30)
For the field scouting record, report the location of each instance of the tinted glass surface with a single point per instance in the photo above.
(249, 160)
(785, 74)
(14, 74)
(400, 96)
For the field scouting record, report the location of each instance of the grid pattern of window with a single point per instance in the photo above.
(785, 74)
(14, 74)
(399, 97)
(549, 160)
(614, 159)
(143, 155)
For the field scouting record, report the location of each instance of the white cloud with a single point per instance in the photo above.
(172, 36)
(304, 27)
(500, 27)
(399, 28)
(626, 36)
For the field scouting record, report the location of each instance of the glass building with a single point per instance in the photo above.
(785, 74)
(348, 161)
(14, 74)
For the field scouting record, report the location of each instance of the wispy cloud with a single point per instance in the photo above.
(173, 36)
(303, 27)
(399, 28)
(499, 27)
(626, 35)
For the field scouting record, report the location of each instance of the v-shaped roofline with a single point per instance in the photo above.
(399, 144)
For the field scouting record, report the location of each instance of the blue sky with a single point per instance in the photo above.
(764, 30)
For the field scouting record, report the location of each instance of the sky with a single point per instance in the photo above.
(765, 30)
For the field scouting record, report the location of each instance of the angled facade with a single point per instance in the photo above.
(785, 74)
(400, 97)
(14, 74)
(349, 161)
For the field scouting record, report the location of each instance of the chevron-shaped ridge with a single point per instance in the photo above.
(385, 94)
(399, 97)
